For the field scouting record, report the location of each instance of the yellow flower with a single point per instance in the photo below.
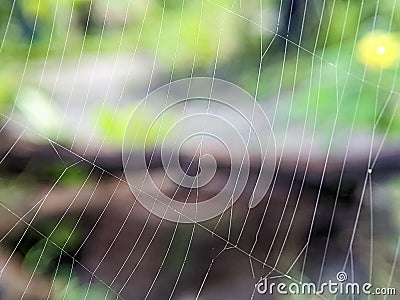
(379, 49)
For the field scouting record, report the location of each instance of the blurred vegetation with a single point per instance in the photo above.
(352, 60)
(211, 32)
(47, 257)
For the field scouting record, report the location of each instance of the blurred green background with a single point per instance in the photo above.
(339, 65)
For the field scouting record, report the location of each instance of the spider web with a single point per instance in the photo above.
(313, 222)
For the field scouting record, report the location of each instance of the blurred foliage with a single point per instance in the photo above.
(343, 20)
(347, 66)
(142, 129)
(71, 289)
(45, 252)
(193, 32)
(67, 176)
(46, 256)
(222, 31)
(362, 96)
(37, 110)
